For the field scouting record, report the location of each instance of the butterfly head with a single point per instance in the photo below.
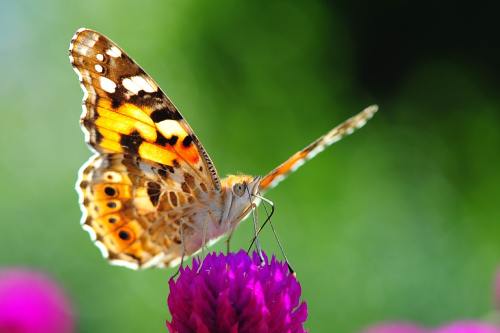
(239, 193)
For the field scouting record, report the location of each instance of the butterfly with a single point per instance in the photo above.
(150, 194)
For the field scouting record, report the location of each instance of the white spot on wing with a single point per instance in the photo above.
(93, 39)
(277, 180)
(297, 165)
(137, 83)
(112, 176)
(171, 127)
(130, 86)
(98, 68)
(318, 150)
(114, 52)
(107, 85)
(99, 57)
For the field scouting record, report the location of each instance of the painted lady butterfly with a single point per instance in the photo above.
(151, 194)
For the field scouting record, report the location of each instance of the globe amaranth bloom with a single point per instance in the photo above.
(236, 293)
(30, 302)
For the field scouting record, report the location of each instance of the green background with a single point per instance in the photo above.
(399, 221)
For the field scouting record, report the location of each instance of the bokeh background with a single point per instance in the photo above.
(399, 221)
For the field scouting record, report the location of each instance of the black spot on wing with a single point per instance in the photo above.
(124, 235)
(165, 114)
(131, 142)
(160, 139)
(187, 141)
(143, 98)
(115, 102)
(154, 191)
(118, 97)
(98, 136)
(173, 198)
(110, 191)
(163, 173)
(173, 140)
(163, 141)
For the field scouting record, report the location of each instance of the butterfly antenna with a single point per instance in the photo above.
(256, 229)
(263, 224)
(269, 215)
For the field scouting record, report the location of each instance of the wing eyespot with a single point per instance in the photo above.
(124, 235)
(110, 191)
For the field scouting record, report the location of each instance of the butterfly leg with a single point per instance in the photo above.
(256, 231)
(183, 250)
(228, 241)
(204, 247)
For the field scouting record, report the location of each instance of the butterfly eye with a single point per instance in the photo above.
(239, 189)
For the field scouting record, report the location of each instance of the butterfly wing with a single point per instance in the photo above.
(299, 158)
(151, 183)
(124, 110)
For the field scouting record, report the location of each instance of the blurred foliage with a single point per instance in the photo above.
(399, 221)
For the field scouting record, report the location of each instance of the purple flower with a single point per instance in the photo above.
(237, 294)
(32, 303)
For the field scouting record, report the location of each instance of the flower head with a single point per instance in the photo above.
(31, 302)
(238, 294)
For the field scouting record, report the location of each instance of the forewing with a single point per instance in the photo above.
(299, 158)
(124, 110)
